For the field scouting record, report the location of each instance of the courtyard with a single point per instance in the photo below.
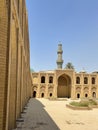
(44, 114)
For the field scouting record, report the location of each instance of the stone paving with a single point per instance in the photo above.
(43, 114)
(35, 117)
(68, 119)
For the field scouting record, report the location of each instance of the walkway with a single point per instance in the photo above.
(35, 117)
(43, 114)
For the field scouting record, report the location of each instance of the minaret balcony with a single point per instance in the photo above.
(60, 51)
(59, 61)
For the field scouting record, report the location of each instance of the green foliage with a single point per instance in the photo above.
(69, 65)
(80, 104)
(92, 102)
(31, 70)
(84, 103)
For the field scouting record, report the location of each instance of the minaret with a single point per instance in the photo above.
(59, 60)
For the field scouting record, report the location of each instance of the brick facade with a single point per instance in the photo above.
(64, 83)
(15, 77)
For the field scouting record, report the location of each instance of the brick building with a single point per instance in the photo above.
(64, 83)
(15, 77)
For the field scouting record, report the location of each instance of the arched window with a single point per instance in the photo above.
(50, 79)
(85, 80)
(93, 80)
(77, 80)
(35, 79)
(43, 79)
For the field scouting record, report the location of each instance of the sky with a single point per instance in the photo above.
(74, 23)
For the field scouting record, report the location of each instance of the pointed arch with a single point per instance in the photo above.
(64, 86)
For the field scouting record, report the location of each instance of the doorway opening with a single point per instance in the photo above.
(86, 95)
(42, 95)
(94, 95)
(64, 86)
(34, 94)
(50, 94)
(78, 95)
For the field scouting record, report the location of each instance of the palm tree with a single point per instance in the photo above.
(69, 65)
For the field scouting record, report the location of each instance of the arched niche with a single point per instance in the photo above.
(64, 86)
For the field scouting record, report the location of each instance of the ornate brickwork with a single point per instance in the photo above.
(65, 84)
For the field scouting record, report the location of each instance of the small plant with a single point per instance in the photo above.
(84, 103)
(80, 104)
(92, 102)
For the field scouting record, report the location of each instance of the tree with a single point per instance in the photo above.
(32, 70)
(69, 65)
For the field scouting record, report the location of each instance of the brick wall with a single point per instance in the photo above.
(3, 61)
(15, 77)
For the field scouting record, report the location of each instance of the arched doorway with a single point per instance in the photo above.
(34, 94)
(86, 95)
(64, 86)
(94, 95)
(78, 95)
(42, 95)
(50, 94)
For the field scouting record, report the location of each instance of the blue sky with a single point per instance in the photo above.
(74, 23)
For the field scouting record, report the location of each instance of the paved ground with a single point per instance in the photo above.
(36, 117)
(43, 114)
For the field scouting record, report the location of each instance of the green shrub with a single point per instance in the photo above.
(74, 103)
(80, 104)
(84, 103)
(92, 102)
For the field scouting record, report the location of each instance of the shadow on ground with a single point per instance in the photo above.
(36, 118)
